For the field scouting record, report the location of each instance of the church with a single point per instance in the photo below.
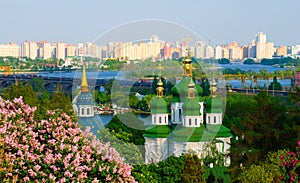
(195, 124)
(83, 106)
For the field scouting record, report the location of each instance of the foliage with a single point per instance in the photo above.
(128, 128)
(129, 151)
(291, 165)
(17, 90)
(249, 61)
(261, 124)
(55, 149)
(113, 64)
(186, 168)
(212, 155)
(223, 61)
(268, 170)
(205, 86)
(192, 171)
(275, 85)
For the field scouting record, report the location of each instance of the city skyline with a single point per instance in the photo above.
(220, 22)
(153, 47)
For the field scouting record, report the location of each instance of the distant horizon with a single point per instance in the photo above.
(89, 41)
(221, 22)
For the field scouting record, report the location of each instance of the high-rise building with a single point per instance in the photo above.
(11, 49)
(60, 50)
(44, 50)
(264, 49)
(245, 51)
(209, 52)
(70, 50)
(252, 49)
(296, 50)
(25, 49)
(218, 52)
(200, 49)
(167, 51)
(281, 51)
(269, 50)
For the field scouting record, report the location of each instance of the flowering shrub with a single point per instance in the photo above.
(291, 165)
(54, 149)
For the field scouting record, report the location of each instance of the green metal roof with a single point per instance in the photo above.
(158, 131)
(159, 106)
(200, 134)
(180, 91)
(214, 105)
(191, 108)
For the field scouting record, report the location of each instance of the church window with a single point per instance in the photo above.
(88, 111)
(173, 114)
(166, 119)
(179, 114)
(190, 122)
(196, 122)
(208, 119)
(159, 119)
(215, 119)
(154, 119)
(82, 111)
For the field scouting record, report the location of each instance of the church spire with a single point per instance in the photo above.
(187, 62)
(160, 89)
(84, 84)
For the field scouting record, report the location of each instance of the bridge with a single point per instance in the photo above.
(68, 84)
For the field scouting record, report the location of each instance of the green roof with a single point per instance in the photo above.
(214, 105)
(158, 131)
(159, 106)
(200, 134)
(180, 91)
(191, 108)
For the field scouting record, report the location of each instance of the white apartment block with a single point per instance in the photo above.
(11, 49)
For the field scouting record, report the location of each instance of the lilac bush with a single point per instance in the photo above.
(291, 165)
(54, 149)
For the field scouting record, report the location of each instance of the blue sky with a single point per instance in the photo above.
(221, 21)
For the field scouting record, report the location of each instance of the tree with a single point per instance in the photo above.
(275, 85)
(37, 85)
(205, 86)
(60, 101)
(266, 171)
(18, 89)
(261, 129)
(54, 149)
(192, 171)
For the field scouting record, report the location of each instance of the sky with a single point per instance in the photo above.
(217, 21)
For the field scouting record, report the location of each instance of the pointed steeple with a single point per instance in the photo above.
(187, 64)
(160, 89)
(84, 84)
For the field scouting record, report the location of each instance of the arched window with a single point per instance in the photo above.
(215, 119)
(165, 119)
(190, 122)
(208, 119)
(154, 119)
(173, 114)
(179, 114)
(82, 111)
(88, 111)
(159, 119)
(196, 122)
